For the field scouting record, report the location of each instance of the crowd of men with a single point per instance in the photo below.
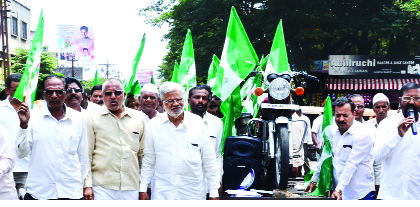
(114, 147)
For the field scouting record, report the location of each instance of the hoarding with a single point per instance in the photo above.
(373, 65)
(143, 77)
(77, 41)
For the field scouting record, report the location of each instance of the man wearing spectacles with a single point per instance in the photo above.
(359, 101)
(56, 139)
(74, 94)
(148, 101)
(397, 148)
(178, 153)
(116, 141)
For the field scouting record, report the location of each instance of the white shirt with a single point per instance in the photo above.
(10, 120)
(215, 130)
(7, 184)
(400, 158)
(317, 128)
(146, 117)
(307, 137)
(352, 161)
(179, 158)
(59, 154)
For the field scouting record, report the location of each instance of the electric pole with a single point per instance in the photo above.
(107, 70)
(5, 38)
(119, 74)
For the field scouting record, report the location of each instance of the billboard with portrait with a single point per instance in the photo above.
(76, 41)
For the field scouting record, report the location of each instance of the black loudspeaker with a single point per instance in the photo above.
(241, 163)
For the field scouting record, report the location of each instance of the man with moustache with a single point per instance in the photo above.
(198, 99)
(380, 107)
(352, 156)
(178, 152)
(214, 106)
(148, 101)
(55, 137)
(116, 141)
(397, 148)
(96, 94)
(74, 95)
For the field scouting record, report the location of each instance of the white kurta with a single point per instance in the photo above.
(179, 158)
(400, 158)
(7, 184)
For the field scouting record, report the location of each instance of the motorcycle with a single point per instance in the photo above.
(273, 129)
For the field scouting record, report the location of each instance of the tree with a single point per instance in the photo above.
(47, 66)
(313, 29)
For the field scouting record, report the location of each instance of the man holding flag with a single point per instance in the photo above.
(351, 148)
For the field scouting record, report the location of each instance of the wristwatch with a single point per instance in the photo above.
(339, 191)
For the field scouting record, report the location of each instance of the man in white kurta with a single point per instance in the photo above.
(178, 152)
(7, 185)
(398, 150)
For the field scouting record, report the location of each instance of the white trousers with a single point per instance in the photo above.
(101, 193)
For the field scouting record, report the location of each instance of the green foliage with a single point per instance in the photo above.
(47, 66)
(88, 84)
(313, 29)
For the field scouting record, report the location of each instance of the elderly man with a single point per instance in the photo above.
(397, 148)
(198, 99)
(380, 107)
(148, 101)
(56, 139)
(10, 120)
(74, 95)
(352, 161)
(178, 152)
(116, 141)
(7, 190)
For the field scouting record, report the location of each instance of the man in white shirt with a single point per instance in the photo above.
(317, 134)
(7, 189)
(178, 152)
(307, 137)
(148, 101)
(198, 99)
(10, 120)
(380, 107)
(352, 148)
(397, 148)
(56, 139)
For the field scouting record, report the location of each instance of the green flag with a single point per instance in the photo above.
(238, 57)
(129, 78)
(231, 109)
(211, 77)
(96, 80)
(278, 55)
(186, 71)
(152, 81)
(326, 172)
(135, 89)
(175, 73)
(29, 81)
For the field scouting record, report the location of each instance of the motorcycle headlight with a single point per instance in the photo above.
(279, 88)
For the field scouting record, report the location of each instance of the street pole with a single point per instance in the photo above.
(5, 38)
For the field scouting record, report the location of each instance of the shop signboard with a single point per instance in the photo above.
(373, 65)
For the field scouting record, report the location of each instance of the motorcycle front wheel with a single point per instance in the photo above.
(282, 157)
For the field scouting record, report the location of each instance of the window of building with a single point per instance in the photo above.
(4, 25)
(24, 31)
(14, 26)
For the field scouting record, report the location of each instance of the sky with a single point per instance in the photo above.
(117, 26)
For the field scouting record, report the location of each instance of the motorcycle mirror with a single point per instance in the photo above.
(299, 91)
(258, 91)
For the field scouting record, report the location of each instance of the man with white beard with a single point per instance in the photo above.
(181, 156)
